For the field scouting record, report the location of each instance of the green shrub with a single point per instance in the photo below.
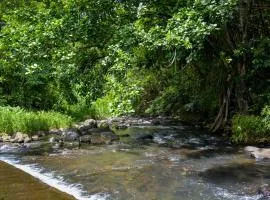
(13, 119)
(266, 116)
(80, 111)
(102, 107)
(250, 129)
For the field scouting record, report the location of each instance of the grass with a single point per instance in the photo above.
(249, 129)
(14, 119)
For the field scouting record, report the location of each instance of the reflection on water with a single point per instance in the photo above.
(155, 162)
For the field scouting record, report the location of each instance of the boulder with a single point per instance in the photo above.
(6, 138)
(119, 126)
(70, 134)
(264, 190)
(103, 138)
(41, 133)
(35, 137)
(18, 137)
(104, 124)
(27, 139)
(85, 139)
(55, 131)
(85, 126)
(109, 135)
(98, 138)
(258, 153)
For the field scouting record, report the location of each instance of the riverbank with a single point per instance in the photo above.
(18, 185)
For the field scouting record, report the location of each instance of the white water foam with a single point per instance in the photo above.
(56, 182)
(159, 140)
(225, 194)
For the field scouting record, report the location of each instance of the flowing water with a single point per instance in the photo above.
(154, 163)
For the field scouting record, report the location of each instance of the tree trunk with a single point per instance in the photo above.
(240, 89)
(222, 116)
(241, 97)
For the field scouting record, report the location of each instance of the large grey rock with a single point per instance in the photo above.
(85, 126)
(35, 137)
(27, 139)
(103, 137)
(18, 137)
(258, 153)
(109, 135)
(85, 139)
(55, 131)
(6, 138)
(104, 124)
(99, 137)
(70, 135)
(119, 126)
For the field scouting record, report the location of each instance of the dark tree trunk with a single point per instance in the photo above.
(240, 89)
(225, 98)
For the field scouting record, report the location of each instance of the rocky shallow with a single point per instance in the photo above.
(134, 160)
(90, 131)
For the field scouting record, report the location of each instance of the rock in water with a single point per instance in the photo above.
(6, 138)
(27, 140)
(119, 126)
(99, 137)
(35, 137)
(55, 131)
(85, 126)
(18, 137)
(264, 191)
(52, 140)
(85, 139)
(103, 124)
(70, 134)
(258, 153)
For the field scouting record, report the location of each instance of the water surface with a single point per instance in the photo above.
(154, 163)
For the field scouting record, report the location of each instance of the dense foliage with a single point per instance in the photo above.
(252, 129)
(208, 58)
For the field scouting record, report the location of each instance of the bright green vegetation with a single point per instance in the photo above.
(103, 58)
(250, 129)
(14, 119)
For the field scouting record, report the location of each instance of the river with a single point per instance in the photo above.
(175, 162)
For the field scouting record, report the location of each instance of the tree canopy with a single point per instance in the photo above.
(209, 58)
